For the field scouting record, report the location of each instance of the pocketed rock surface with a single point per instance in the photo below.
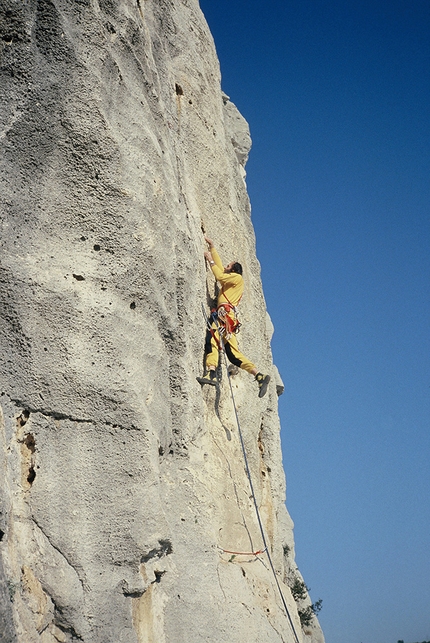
(122, 482)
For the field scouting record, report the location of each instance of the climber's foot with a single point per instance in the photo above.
(208, 378)
(263, 382)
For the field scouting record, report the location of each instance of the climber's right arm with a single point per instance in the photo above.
(216, 260)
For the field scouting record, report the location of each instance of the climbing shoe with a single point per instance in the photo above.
(263, 382)
(208, 378)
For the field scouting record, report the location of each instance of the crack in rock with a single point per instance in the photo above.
(59, 551)
(56, 415)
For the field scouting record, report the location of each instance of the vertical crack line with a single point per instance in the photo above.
(220, 584)
(139, 6)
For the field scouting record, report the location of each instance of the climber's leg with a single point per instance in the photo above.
(212, 349)
(211, 360)
(234, 356)
(238, 359)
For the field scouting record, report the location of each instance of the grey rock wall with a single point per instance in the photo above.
(122, 482)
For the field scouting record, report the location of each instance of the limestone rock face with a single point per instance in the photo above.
(237, 129)
(122, 482)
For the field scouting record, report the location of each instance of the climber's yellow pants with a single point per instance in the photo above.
(231, 349)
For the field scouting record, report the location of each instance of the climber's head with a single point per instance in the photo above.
(234, 266)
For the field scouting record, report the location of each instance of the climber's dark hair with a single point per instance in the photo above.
(237, 267)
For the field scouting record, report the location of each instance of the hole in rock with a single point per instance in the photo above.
(133, 305)
(31, 475)
(22, 419)
(1, 535)
(83, 238)
(166, 546)
(78, 277)
(178, 89)
(30, 442)
(96, 247)
(158, 576)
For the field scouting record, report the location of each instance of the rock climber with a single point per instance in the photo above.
(231, 281)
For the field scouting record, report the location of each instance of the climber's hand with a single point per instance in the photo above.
(208, 256)
(209, 241)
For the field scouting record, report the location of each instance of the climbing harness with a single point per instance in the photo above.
(227, 317)
(228, 322)
(248, 474)
(227, 314)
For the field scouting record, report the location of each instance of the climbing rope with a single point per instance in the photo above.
(243, 553)
(248, 473)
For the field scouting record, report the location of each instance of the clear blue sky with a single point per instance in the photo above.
(337, 94)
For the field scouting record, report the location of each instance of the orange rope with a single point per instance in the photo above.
(244, 553)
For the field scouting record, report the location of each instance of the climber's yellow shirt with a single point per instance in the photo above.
(231, 282)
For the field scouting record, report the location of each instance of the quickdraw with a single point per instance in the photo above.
(229, 322)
